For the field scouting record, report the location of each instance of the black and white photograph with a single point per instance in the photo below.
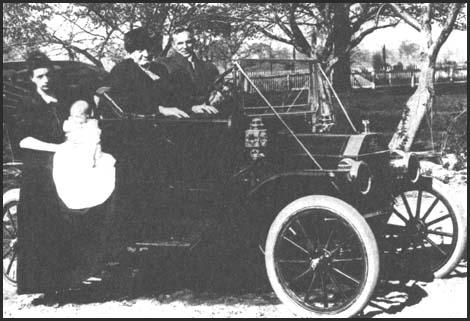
(235, 160)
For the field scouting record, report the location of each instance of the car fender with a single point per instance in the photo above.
(316, 182)
(11, 195)
(403, 184)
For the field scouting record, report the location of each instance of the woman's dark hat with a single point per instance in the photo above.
(137, 39)
(36, 60)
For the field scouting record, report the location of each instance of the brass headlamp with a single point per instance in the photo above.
(256, 139)
(405, 165)
(358, 174)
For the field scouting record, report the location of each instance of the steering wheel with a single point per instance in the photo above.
(221, 94)
(221, 77)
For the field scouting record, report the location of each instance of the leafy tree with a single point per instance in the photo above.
(408, 49)
(398, 66)
(22, 23)
(28, 25)
(378, 62)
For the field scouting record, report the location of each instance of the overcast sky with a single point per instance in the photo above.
(392, 37)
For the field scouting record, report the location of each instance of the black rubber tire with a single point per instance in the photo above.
(10, 198)
(355, 222)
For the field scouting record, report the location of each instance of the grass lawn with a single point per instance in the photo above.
(383, 107)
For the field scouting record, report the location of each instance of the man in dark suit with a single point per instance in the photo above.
(190, 76)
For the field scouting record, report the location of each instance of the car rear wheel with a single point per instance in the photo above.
(10, 234)
(322, 258)
(428, 226)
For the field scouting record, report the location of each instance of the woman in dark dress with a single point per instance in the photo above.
(58, 248)
(139, 86)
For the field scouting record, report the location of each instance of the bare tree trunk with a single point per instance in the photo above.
(342, 74)
(421, 101)
(416, 107)
(342, 38)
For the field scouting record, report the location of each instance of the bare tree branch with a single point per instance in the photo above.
(80, 27)
(366, 13)
(104, 43)
(428, 14)
(447, 28)
(405, 16)
(104, 19)
(281, 25)
(273, 36)
(362, 35)
(89, 56)
(298, 36)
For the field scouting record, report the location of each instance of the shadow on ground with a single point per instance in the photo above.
(167, 283)
(395, 294)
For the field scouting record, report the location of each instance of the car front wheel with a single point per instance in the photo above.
(322, 258)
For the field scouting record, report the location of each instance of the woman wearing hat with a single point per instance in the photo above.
(138, 86)
(143, 154)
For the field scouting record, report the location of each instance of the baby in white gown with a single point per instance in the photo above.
(83, 174)
(83, 134)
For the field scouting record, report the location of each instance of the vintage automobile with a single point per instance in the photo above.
(271, 185)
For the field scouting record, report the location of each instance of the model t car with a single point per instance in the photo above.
(271, 184)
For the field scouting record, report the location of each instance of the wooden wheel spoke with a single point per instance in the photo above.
(436, 246)
(5, 229)
(329, 238)
(434, 203)
(405, 201)
(346, 275)
(310, 286)
(400, 216)
(310, 244)
(11, 263)
(353, 259)
(294, 261)
(418, 203)
(317, 236)
(298, 277)
(437, 220)
(296, 245)
(11, 220)
(5, 255)
(342, 243)
(440, 233)
(324, 290)
(335, 285)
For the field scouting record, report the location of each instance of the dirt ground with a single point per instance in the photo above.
(439, 298)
